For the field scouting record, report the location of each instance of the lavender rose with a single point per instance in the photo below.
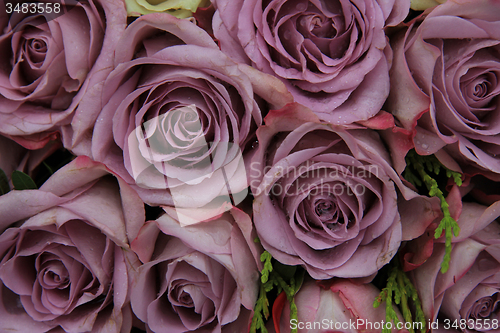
(447, 79)
(49, 61)
(469, 291)
(324, 196)
(201, 278)
(179, 114)
(333, 56)
(64, 259)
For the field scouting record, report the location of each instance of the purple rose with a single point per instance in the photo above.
(445, 76)
(49, 62)
(201, 278)
(179, 114)
(333, 56)
(469, 291)
(324, 196)
(64, 260)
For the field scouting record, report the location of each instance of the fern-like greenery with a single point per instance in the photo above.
(422, 165)
(284, 278)
(400, 288)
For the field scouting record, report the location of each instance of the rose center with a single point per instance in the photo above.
(179, 130)
(317, 26)
(185, 298)
(38, 45)
(326, 209)
(485, 307)
(54, 275)
(183, 124)
(481, 89)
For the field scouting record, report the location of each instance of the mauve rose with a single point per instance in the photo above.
(179, 114)
(65, 255)
(445, 79)
(48, 62)
(200, 278)
(324, 196)
(333, 56)
(339, 306)
(470, 289)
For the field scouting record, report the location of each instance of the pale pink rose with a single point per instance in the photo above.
(64, 254)
(199, 278)
(49, 62)
(339, 306)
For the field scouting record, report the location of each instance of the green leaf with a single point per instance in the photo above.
(4, 183)
(48, 167)
(284, 278)
(266, 257)
(422, 164)
(286, 272)
(299, 279)
(22, 181)
(400, 290)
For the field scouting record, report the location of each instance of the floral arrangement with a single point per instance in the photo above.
(249, 166)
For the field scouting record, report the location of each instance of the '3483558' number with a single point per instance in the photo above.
(475, 324)
(33, 8)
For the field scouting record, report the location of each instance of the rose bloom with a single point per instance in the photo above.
(445, 80)
(50, 61)
(64, 258)
(333, 307)
(200, 278)
(333, 56)
(179, 114)
(469, 290)
(324, 196)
